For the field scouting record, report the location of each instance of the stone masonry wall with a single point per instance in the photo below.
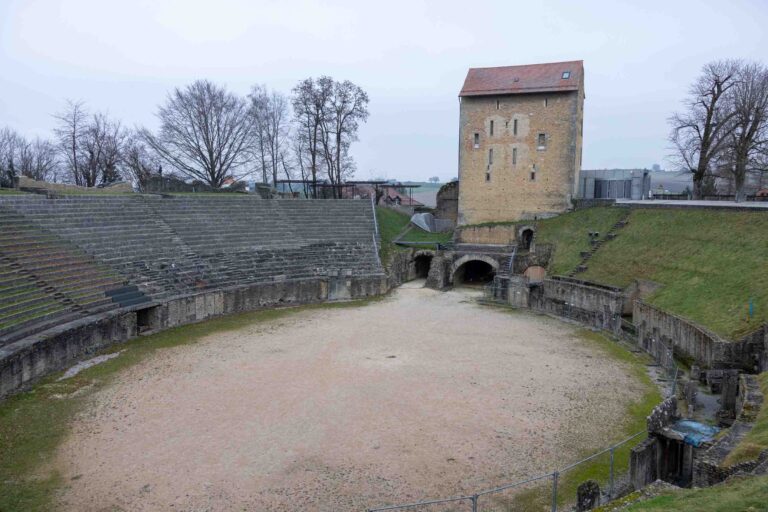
(504, 234)
(593, 305)
(26, 361)
(708, 469)
(659, 329)
(512, 192)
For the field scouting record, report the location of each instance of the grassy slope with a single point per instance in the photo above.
(32, 424)
(569, 232)
(419, 235)
(757, 439)
(391, 223)
(710, 263)
(737, 495)
(634, 422)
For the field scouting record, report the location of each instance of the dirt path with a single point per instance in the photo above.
(424, 394)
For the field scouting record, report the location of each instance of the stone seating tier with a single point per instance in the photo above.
(64, 256)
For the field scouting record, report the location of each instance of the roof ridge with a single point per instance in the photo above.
(532, 64)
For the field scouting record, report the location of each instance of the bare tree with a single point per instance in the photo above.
(72, 123)
(346, 108)
(310, 99)
(271, 128)
(9, 143)
(38, 160)
(34, 159)
(205, 132)
(101, 145)
(701, 131)
(748, 101)
(139, 161)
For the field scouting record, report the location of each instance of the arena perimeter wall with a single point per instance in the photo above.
(26, 361)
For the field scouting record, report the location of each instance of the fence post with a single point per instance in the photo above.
(554, 491)
(474, 503)
(610, 489)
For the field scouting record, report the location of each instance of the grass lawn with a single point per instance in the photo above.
(419, 235)
(599, 468)
(710, 262)
(10, 192)
(744, 494)
(391, 224)
(569, 232)
(756, 439)
(32, 424)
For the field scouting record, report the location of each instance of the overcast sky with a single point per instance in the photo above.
(411, 57)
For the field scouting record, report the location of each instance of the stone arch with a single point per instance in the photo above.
(470, 259)
(422, 261)
(525, 236)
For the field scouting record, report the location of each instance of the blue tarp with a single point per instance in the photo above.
(693, 432)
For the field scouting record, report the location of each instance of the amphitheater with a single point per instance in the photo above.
(226, 352)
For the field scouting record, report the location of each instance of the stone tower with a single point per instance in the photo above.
(520, 133)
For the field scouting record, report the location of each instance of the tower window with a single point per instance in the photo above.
(533, 172)
(498, 104)
(490, 156)
(477, 140)
(542, 141)
(514, 156)
(546, 102)
(566, 75)
(491, 127)
(487, 176)
(514, 127)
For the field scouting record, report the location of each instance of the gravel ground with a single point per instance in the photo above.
(424, 394)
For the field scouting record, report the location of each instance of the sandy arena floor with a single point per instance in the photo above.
(422, 395)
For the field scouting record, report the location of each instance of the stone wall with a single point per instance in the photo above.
(657, 330)
(522, 180)
(708, 469)
(498, 234)
(643, 463)
(26, 361)
(662, 415)
(448, 202)
(587, 303)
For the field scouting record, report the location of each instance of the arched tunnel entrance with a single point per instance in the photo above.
(474, 272)
(526, 239)
(421, 264)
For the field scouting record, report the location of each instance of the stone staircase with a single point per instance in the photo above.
(599, 242)
(70, 256)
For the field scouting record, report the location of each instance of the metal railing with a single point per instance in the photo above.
(502, 498)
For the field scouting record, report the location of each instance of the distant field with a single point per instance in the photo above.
(710, 262)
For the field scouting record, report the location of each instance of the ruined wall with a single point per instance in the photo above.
(448, 202)
(24, 362)
(643, 463)
(658, 329)
(588, 303)
(708, 469)
(524, 180)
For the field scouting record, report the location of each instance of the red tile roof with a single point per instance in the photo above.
(523, 79)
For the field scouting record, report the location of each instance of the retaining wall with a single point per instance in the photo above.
(26, 361)
(657, 330)
(588, 303)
